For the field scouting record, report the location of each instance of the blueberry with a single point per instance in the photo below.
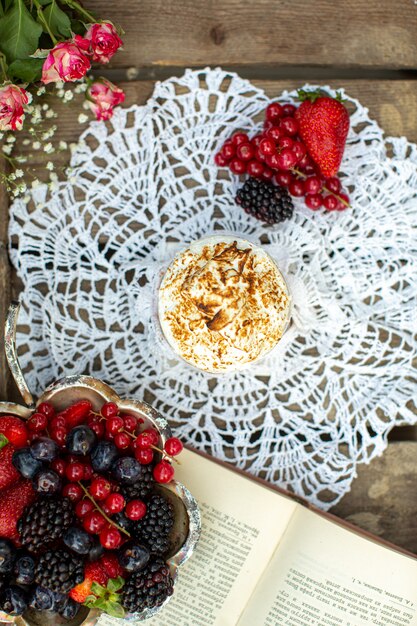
(96, 551)
(127, 470)
(60, 601)
(44, 449)
(81, 440)
(103, 456)
(133, 557)
(70, 610)
(47, 482)
(25, 463)
(123, 521)
(78, 540)
(42, 599)
(7, 556)
(24, 570)
(13, 600)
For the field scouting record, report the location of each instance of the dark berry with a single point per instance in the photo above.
(78, 540)
(44, 522)
(148, 588)
(13, 600)
(133, 557)
(123, 521)
(42, 599)
(81, 440)
(24, 570)
(44, 449)
(7, 556)
(70, 610)
(154, 529)
(47, 482)
(59, 570)
(127, 470)
(103, 456)
(96, 550)
(25, 463)
(267, 202)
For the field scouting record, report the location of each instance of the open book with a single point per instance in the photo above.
(266, 560)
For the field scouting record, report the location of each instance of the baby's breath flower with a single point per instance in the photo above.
(12, 176)
(80, 88)
(63, 145)
(45, 107)
(68, 96)
(18, 173)
(11, 139)
(48, 148)
(86, 105)
(26, 142)
(82, 118)
(50, 114)
(36, 183)
(22, 187)
(53, 177)
(50, 166)
(36, 145)
(41, 91)
(7, 149)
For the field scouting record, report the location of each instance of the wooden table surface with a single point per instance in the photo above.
(369, 47)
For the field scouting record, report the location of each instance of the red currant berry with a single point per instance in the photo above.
(94, 522)
(255, 141)
(245, 151)
(237, 166)
(122, 441)
(267, 147)
(38, 422)
(173, 446)
(135, 509)
(285, 142)
(330, 202)
(289, 110)
(83, 507)
(268, 173)
(98, 428)
(333, 184)
(274, 133)
(228, 150)
(114, 503)
(59, 435)
(283, 178)
(74, 472)
(144, 456)
(109, 409)
(299, 149)
(286, 159)
(314, 201)
(47, 409)
(147, 438)
(255, 169)
(59, 465)
(130, 422)
(296, 188)
(88, 471)
(273, 162)
(114, 425)
(220, 160)
(313, 185)
(110, 538)
(58, 421)
(289, 125)
(163, 472)
(100, 488)
(343, 205)
(274, 111)
(73, 492)
(239, 138)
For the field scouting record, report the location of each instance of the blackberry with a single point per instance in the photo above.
(44, 522)
(153, 530)
(142, 487)
(148, 588)
(267, 202)
(59, 570)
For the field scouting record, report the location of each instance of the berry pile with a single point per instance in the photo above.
(299, 149)
(81, 518)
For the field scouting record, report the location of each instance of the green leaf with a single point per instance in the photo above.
(77, 27)
(19, 32)
(57, 20)
(114, 609)
(100, 603)
(114, 584)
(97, 589)
(3, 441)
(28, 70)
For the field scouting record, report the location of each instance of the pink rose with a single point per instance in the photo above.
(67, 62)
(103, 96)
(104, 41)
(12, 102)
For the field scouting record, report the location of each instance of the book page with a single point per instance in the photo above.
(325, 575)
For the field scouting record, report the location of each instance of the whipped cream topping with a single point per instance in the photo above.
(223, 303)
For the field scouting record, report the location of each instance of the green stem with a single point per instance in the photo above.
(77, 7)
(3, 66)
(106, 517)
(44, 22)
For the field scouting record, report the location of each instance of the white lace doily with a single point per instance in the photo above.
(89, 256)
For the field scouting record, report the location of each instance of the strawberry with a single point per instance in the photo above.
(323, 126)
(93, 572)
(8, 472)
(14, 429)
(110, 563)
(77, 413)
(13, 500)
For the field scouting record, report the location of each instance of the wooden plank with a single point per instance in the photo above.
(352, 33)
(383, 498)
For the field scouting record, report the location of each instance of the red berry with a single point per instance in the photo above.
(283, 178)
(255, 168)
(83, 507)
(130, 422)
(341, 206)
(268, 173)
(285, 142)
(267, 147)
(289, 125)
(163, 472)
(94, 522)
(299, 149)
(274, 111)
(333, 184)
(74, 472)
(330, 202)
(122, 441)
(255, 141)
(144, 455)
(296, 188)
(88, 471)
(38, 422)
(59, 465)
(314, 201)
(173, 446)
(110, 563)
(274, 133)
(98, 428)
(147, 438)
(47, 409)
(239, 138)
(58, 422)
(306, 164)
(110, 538)
(313, 185)
(228, 150)
(100, 488)
(59, 435)
(289, 110)
(114, 503)
(114, 425)
(286, 159)
(77, 413)
(273, 162)
(245, 151)
(220, 160)
(109, 409)
(73, 492)
(237, 166)
(135, 509)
